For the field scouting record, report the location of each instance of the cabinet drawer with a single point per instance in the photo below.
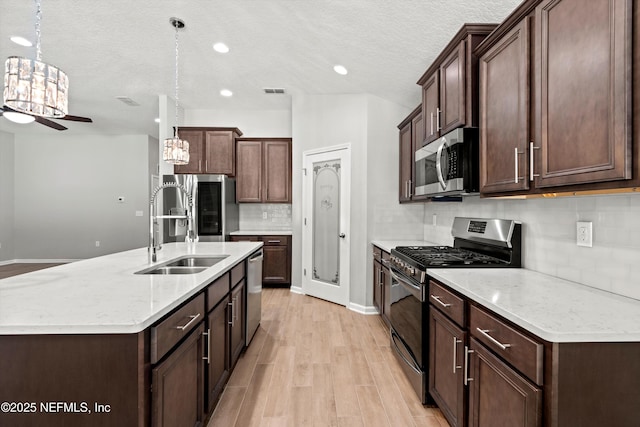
(447, 302)
(169, 331)
(377, 253)
(245, 238)
(217, 291)
(237, 274)
(518, 349)
(275, 240)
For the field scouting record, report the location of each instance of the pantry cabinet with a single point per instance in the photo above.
(211, 150)
(556, 98)
(263, 170)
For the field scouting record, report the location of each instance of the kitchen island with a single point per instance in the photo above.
(96, 343)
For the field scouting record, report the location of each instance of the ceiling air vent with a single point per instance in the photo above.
(273, 90)
(130, 102)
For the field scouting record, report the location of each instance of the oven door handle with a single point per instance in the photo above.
(408, 360)
(442, 146)
(416, 291)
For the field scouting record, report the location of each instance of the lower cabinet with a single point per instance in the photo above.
(381, 283)
(217, 354)
(237, 330)
(177, 385)
(276, 266)
(498, 394)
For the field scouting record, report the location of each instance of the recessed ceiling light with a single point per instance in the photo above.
(226, 92)
(21, 41)
(340, 70)
(16, 117)
(221, 48)
(157, 120)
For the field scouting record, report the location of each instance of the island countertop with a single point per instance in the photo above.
(103, 295)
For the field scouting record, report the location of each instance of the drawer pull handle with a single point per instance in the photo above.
(485, 332)
(437, 298)
(193, 318)
(273, 241)
(208, 346)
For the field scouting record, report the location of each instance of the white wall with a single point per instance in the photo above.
(549, 235)
(66, 190)
(7, 212)
(252, 123)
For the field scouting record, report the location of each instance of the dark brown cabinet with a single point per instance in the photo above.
(177, 385)
(276, 265)
(411, 137)
(556, 99)
(236, 315)
(211, 150)
(449, 86)
(263, 170)
(381, 283)
(218, 352)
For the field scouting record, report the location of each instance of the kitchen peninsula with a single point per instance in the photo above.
(94, 343)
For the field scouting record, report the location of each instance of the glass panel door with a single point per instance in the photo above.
(326, 221)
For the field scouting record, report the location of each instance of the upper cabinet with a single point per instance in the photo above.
(263, 170)
(411, 137)
(449, 86)
(211, 150)
(556, 98)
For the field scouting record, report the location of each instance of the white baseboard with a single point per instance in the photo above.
(362, 309)
(296, 290)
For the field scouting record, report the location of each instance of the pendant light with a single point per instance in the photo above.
(34, 87)
(176, 150)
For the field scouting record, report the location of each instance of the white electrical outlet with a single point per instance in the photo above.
(584, 233)
(434, 220)
(97, 243)
(138, 213)
(264, 215)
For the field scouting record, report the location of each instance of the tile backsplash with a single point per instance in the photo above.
(549, 235)
(264, 217)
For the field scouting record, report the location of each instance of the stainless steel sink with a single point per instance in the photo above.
(196, 261)
(188, 264)
(174, 270)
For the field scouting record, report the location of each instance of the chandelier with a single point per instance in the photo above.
(34, 87)
(176, 150)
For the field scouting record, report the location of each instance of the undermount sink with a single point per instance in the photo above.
(188, 264)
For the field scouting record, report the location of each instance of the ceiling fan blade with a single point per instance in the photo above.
(76, 119)
(49, 123)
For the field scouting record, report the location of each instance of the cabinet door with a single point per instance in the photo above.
(431, 108)
(386, 294)
(195, 138)
(249, 172)
(504, 113)
(277, 171)
(406, 163)
(583, 78)
(417, 138)
(452, 90)
(178, 386)
(218, 353)
(276, 266)
(498, 395)
(236, 312)
(377, 287)
(220, 153)
(446, 360)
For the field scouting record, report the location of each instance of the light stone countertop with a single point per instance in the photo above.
(261, 233)
(554, 309)
(103, 295)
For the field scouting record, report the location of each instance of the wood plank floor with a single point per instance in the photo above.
(21, 268)
(314, 363)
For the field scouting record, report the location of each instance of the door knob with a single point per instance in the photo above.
(342, 235)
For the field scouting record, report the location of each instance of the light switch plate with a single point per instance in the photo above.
(584, 233)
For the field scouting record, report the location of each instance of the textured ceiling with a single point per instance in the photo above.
(126, 48)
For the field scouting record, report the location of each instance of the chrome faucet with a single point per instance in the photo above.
(153, 245)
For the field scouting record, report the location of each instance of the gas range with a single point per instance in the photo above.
(477, 243)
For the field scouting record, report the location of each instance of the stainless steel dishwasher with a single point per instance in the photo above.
(254, 293)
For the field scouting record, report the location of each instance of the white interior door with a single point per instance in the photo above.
(326, 219)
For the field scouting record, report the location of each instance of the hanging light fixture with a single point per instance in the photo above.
(176, 150)
(34, 87)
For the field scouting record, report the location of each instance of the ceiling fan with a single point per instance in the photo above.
(47, 122)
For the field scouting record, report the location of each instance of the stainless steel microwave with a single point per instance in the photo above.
(449, 165)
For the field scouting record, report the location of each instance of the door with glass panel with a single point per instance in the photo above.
(326, 217)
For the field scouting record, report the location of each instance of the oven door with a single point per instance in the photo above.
(407, 314)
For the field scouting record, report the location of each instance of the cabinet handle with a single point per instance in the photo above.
(380, 277)
(230, 306)
(437, 299)
(438, 111)
(517, 177)
(531, 148)
(485, 332)
(235, 315)
(208, 347)
(431, 123)
(456, 341)
(467, 351)
(206, 165)
(193, 318)
(199, 165)
(406, 190)
(410, 185)
(273, 241)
